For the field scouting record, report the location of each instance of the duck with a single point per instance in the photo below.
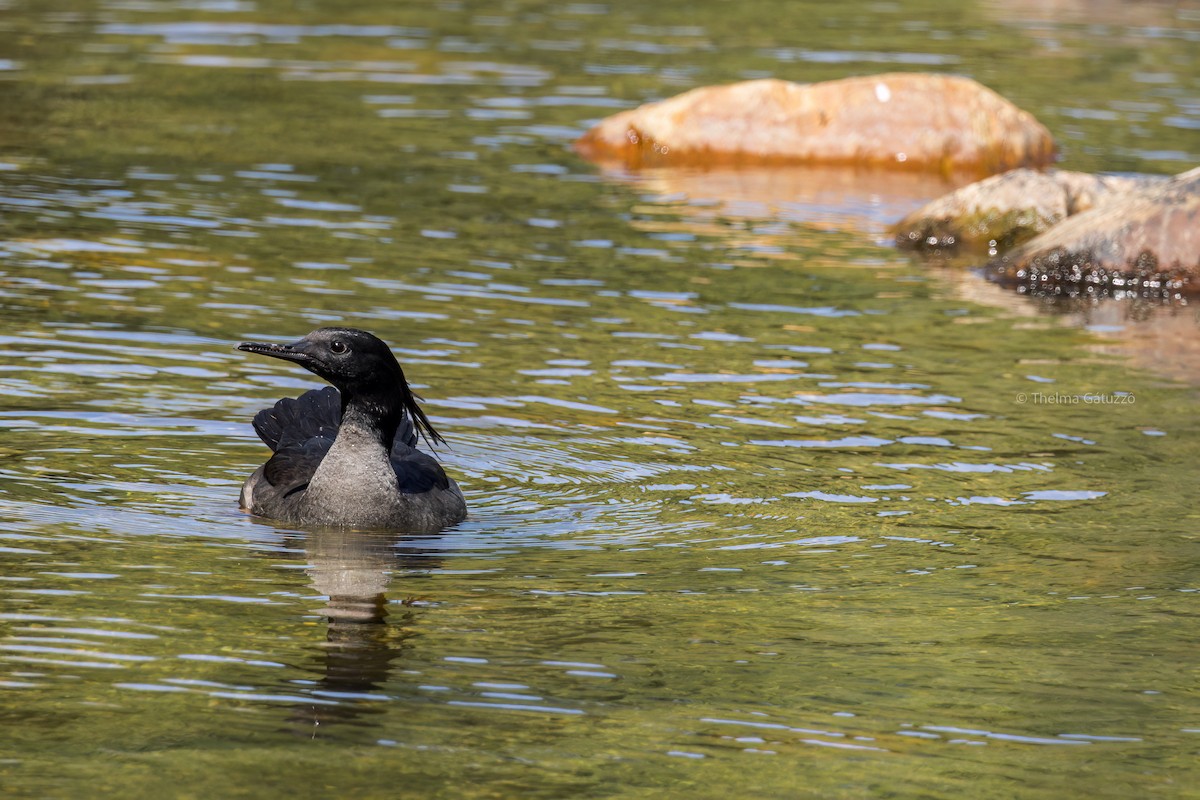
(345, 455)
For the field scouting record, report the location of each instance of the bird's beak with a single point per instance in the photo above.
(288, 352)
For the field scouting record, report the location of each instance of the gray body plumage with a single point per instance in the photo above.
(347, 457)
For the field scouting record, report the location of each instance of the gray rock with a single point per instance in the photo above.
(1004, 210)
(1142, 243)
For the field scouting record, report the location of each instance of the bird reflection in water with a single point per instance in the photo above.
(366, 633)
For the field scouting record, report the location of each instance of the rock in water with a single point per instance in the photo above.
(1145, 243)
(902, 120)
(1005, 210)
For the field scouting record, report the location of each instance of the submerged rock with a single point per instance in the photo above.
(1144, 243)
(1007, 209)
(900, 120)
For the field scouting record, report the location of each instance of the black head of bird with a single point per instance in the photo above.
(360, 365)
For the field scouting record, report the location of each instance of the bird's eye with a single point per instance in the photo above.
(338, 346)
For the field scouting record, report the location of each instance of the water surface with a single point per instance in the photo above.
(760, 507)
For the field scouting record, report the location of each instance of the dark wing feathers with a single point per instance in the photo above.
(292, 467)
(417, 472)
(315, 414)
(301, 430)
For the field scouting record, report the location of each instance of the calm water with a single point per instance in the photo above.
(760, 507)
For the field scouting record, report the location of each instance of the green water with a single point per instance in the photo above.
(759, 506)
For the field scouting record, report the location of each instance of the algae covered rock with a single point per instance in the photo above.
(1005, 210)
(900, 120)
(1144, 242)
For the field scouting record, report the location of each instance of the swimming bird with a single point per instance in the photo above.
(346, 455)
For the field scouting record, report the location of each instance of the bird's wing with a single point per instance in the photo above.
(416, 472)
(316, 414)
(292, 467)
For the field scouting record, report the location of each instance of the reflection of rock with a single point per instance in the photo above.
(901, 120)
(1164, 340)
(864, 201)
(1004, 210)
(1144, 243)
(1159, 337)
(1139, 16)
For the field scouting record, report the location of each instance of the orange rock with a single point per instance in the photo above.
(902, 120)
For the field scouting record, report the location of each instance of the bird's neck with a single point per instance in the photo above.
(373, 414)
